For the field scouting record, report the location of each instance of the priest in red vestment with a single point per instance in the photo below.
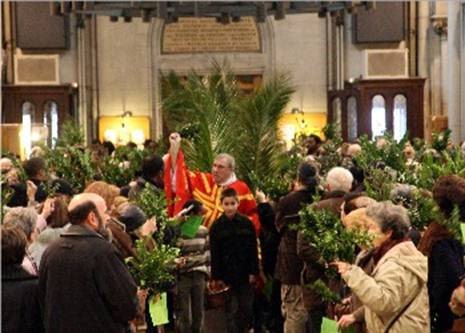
(182, 184)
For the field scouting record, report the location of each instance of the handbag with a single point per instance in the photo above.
(401, 312)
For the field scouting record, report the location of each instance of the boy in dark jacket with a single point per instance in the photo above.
(234, 262)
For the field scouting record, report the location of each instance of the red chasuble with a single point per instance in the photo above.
(202, 187)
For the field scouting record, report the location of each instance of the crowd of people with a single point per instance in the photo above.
(64, 268)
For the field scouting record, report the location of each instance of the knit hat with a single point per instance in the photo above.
(132, 217)
(306, 174)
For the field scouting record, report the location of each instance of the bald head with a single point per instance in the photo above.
(84, 197)
(88, 208)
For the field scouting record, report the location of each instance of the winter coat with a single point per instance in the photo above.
(84, 285)
(233, 250)
(289, 265)
(445, 264)
(313, 265)
(314, 269)
(400, 275)
(332, 202)
(20, 301)
(269, 238)
(121, 239)
(45, 238)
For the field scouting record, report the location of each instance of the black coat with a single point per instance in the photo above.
(20, 301)
(445, 269)
(289, 265)
(233, 250)
(85, 286)
(269, 238)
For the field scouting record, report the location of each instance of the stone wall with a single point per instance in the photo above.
(123, 70)
(130, 60)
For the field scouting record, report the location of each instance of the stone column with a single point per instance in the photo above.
(424, 54)
(439, 63)
(456, 114)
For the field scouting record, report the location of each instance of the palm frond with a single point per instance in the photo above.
(216, 119)
(258, 119)
(205, 104)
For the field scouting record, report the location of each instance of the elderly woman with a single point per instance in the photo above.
(26, 219)
(394, 295)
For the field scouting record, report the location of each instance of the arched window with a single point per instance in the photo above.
(400, 117)
(352, 127)
(378, 116)
(337, 112)
(51, 121)
(28, 111)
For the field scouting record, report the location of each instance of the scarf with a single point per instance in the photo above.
(384, 248)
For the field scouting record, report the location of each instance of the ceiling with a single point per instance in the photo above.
(223, 11)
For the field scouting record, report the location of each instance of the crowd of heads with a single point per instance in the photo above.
(101, 203)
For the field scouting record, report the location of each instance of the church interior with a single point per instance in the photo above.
(370, 66)
(331, 134)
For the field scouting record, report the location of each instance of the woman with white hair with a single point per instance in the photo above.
(395, 294)
(31, 224)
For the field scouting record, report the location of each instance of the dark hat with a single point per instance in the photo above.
(61, 186)
(151, 166)
(132, 217)
(306, 174)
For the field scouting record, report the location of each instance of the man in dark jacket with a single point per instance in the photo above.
(289, 265)
(20, 302)
(338, 184)
(84, 284)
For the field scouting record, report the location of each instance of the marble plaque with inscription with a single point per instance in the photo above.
(201, 35)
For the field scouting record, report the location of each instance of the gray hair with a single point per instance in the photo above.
(339, 179)
(228, 158)
(25, 218)
(390, 217)
(402, 194)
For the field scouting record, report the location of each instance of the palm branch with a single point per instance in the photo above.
(213, 117)
(261, 149)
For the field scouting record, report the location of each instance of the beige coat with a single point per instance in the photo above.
(393, 283)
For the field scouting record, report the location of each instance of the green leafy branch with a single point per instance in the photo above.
(71, 163)
(324, 291)
(153, 268)
(379, 183)
(323, 230)
(121, 168)
(153, 202)
(390, 153)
